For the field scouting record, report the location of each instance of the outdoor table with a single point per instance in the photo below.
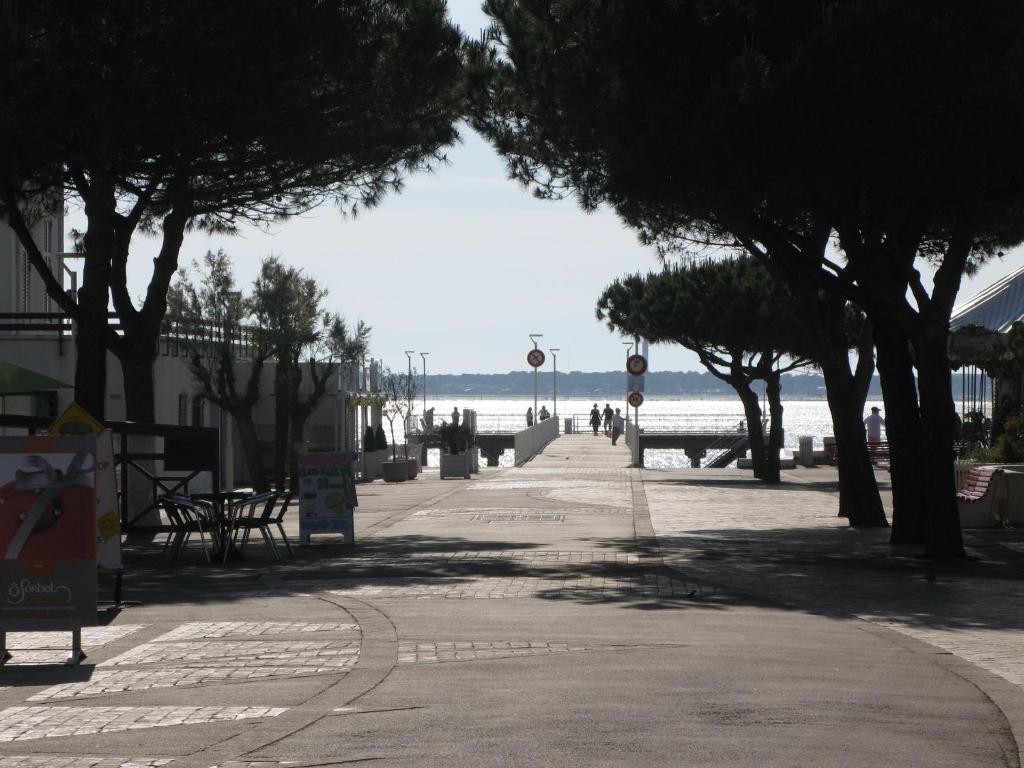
(222, 504)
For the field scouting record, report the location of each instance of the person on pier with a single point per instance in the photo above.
(529, 416)
(607, 413)
(874, 424)
(595, 418)
(617, 425)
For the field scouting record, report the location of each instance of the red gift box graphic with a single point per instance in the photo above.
(47, 511)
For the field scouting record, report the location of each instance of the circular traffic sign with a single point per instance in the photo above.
(535, 357)
(636, 399)
(636, 365)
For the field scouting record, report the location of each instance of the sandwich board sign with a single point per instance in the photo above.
(327, 495)
(48, 533)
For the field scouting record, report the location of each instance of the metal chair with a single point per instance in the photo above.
(251, 514)
(278, 519)
(187, 517)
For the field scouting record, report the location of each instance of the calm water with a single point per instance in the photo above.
(801, 417)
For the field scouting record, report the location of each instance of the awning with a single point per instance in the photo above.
(996, 308)
(15, 380)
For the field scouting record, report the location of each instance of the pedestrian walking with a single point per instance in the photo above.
(455, 416)
(529, 416)
(595, 418)
(607, 418)
(617, 425)
(874, 424)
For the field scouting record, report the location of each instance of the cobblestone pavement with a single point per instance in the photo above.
(57, 761)
(592, 587)
(53, 647)
(25, 723)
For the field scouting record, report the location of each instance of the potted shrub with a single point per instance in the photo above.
(394, 405)
(454, 439)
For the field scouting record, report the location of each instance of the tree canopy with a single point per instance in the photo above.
(732, 316)
(169, 116)
(784, 129)
(230, 337)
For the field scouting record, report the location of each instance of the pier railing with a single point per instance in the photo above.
(531, 441)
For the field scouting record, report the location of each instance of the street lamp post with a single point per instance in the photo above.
(424, 356)
(554, 379)
(408, 393)
(533, 338)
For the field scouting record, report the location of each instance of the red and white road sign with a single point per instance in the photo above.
(636, 399)
(535, 357)
(636, 365)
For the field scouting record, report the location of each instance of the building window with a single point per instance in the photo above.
(182, 410)
(197, 412)
(25, 292)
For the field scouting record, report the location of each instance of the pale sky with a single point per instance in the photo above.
(464, 264)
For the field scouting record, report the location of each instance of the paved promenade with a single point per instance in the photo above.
(573, 612)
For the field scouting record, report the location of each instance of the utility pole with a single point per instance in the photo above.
(408, 392)
(554, 380)
(424, 356)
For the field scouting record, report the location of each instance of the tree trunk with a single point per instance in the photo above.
(773, 391)
(139, 388)
(865, 366)
(92, 332)
(944, 537)
(859, 500)
(251, 448)
(282, 422)
(298, 435)
(752, 410)
(91, 359)
(903, 431)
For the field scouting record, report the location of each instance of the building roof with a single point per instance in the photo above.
(997, 307)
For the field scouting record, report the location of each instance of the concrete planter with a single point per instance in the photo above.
(371, 464)
(455, 465)
(414, 467)
(395, 471)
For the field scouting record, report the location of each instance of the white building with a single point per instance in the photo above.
(34, 334)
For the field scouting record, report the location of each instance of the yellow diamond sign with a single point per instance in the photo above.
(75, 421)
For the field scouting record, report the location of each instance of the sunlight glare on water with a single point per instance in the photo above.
(800, 417)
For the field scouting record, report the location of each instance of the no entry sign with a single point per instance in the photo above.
(535, 357)
(636, 399)
(636, 365)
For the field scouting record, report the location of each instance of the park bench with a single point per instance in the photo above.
(877, 452)
(982, 499)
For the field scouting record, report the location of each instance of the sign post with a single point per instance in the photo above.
(535, 357)
(636, 367)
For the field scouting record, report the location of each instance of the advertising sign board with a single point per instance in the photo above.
(327, 495)
(48, 532)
